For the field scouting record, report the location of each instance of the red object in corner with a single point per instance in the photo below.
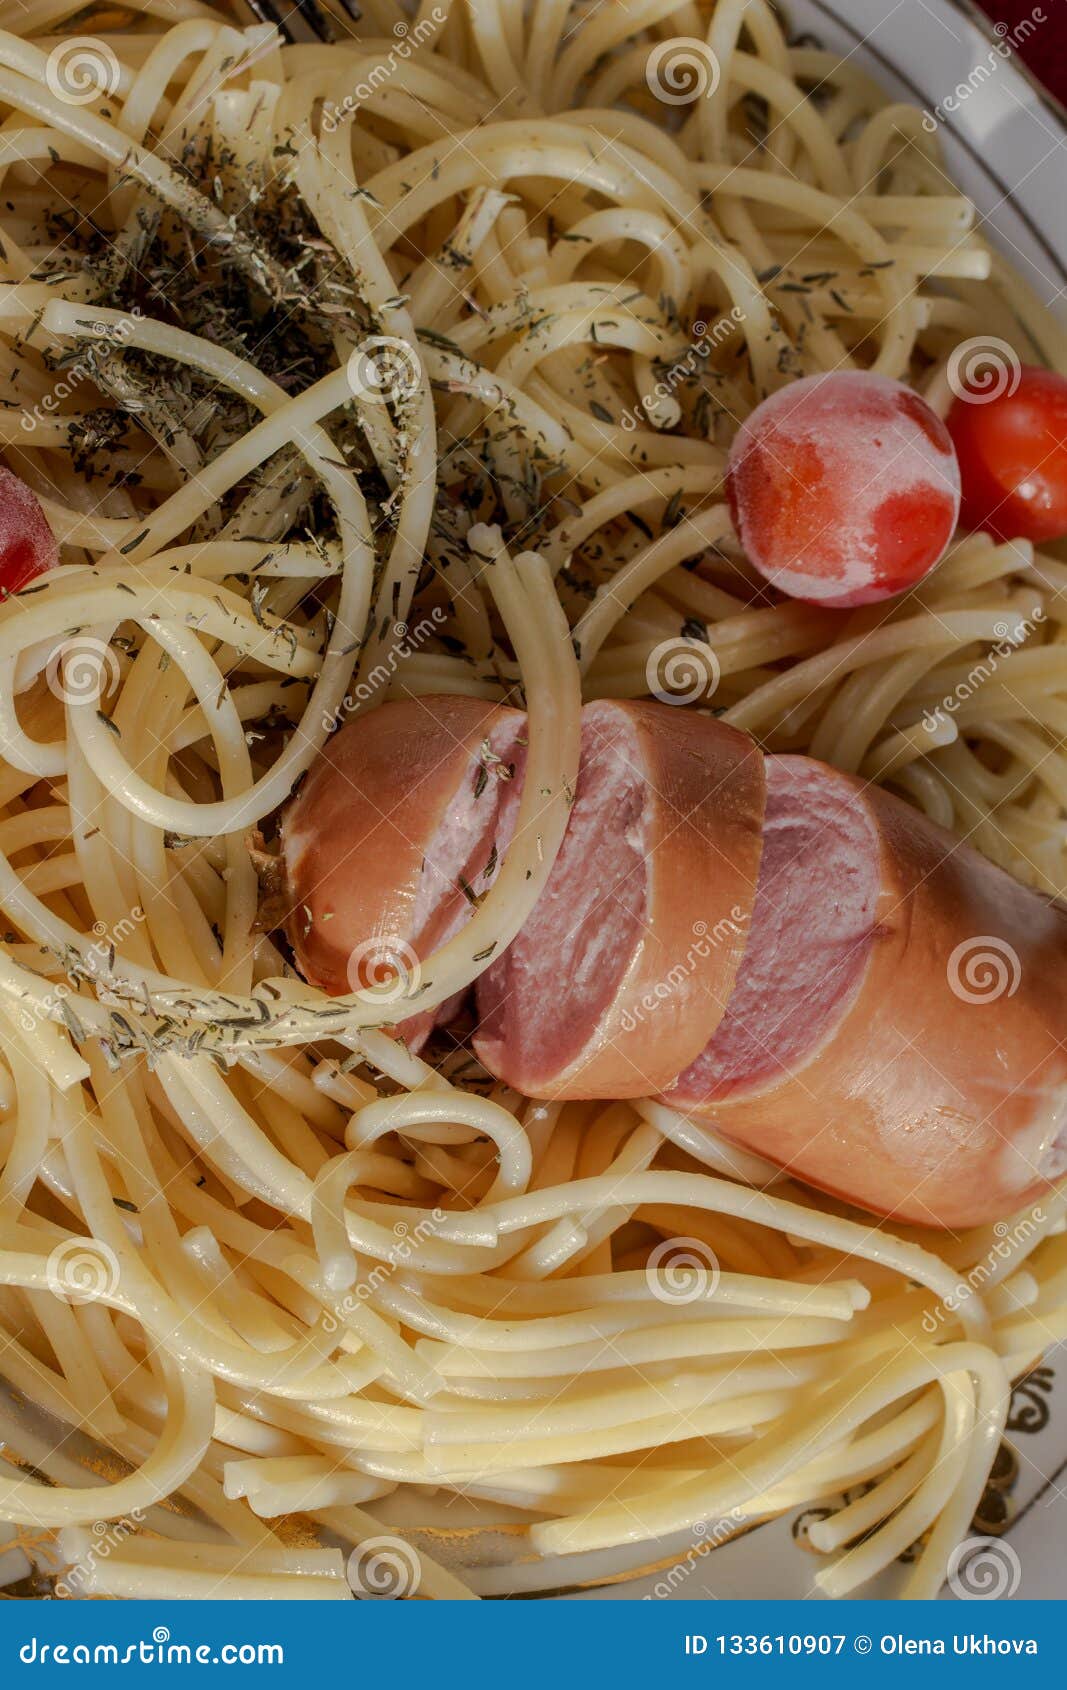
(27, 544)
(1044, 51)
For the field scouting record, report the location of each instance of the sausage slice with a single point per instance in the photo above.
(898, 1032)
(394, 836)
(630, 953)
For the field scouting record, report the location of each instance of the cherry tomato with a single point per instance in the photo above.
(1013, 456)
(27, 545)
(844, 488)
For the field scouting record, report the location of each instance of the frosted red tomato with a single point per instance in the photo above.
(844, 488)
(27, 545)
(1013, 457)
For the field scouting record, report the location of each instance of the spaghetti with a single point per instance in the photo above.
(409, 365)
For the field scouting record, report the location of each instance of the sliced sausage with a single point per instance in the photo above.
(394, 836)
(898, 1033)
(630, 953)
(811, 931)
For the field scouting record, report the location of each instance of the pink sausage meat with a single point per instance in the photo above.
(898, 1035)
(393, 838)
(811, 932)
(613, 980)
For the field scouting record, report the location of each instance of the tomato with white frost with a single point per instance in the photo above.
(27, 544)
(844, 488)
